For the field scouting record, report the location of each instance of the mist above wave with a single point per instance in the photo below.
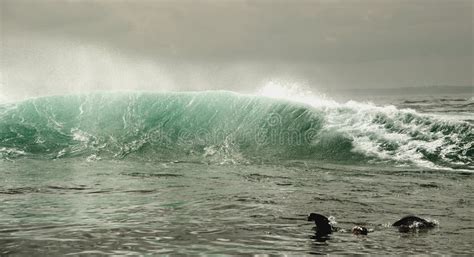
(225, 127)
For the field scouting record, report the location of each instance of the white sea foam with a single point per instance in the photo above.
(384, 132)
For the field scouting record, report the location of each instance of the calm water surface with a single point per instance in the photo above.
(115, 207)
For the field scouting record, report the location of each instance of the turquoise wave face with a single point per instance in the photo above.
(225, 127)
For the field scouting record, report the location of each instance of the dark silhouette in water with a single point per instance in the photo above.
(405, 224)
(323, 226)
(411, 223)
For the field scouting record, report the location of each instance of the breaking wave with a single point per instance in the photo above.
(226, 127)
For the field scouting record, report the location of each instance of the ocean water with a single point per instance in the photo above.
(224, 173)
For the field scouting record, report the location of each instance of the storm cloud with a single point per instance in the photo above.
(234, 45)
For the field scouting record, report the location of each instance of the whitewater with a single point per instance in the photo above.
(273, 125)
(219, 172)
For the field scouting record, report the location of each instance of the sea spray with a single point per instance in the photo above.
(226, 127)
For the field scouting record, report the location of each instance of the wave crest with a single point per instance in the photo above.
(226, 127)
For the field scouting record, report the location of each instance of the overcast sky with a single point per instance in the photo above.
(193, 45)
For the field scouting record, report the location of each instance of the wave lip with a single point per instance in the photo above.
(226, 127)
